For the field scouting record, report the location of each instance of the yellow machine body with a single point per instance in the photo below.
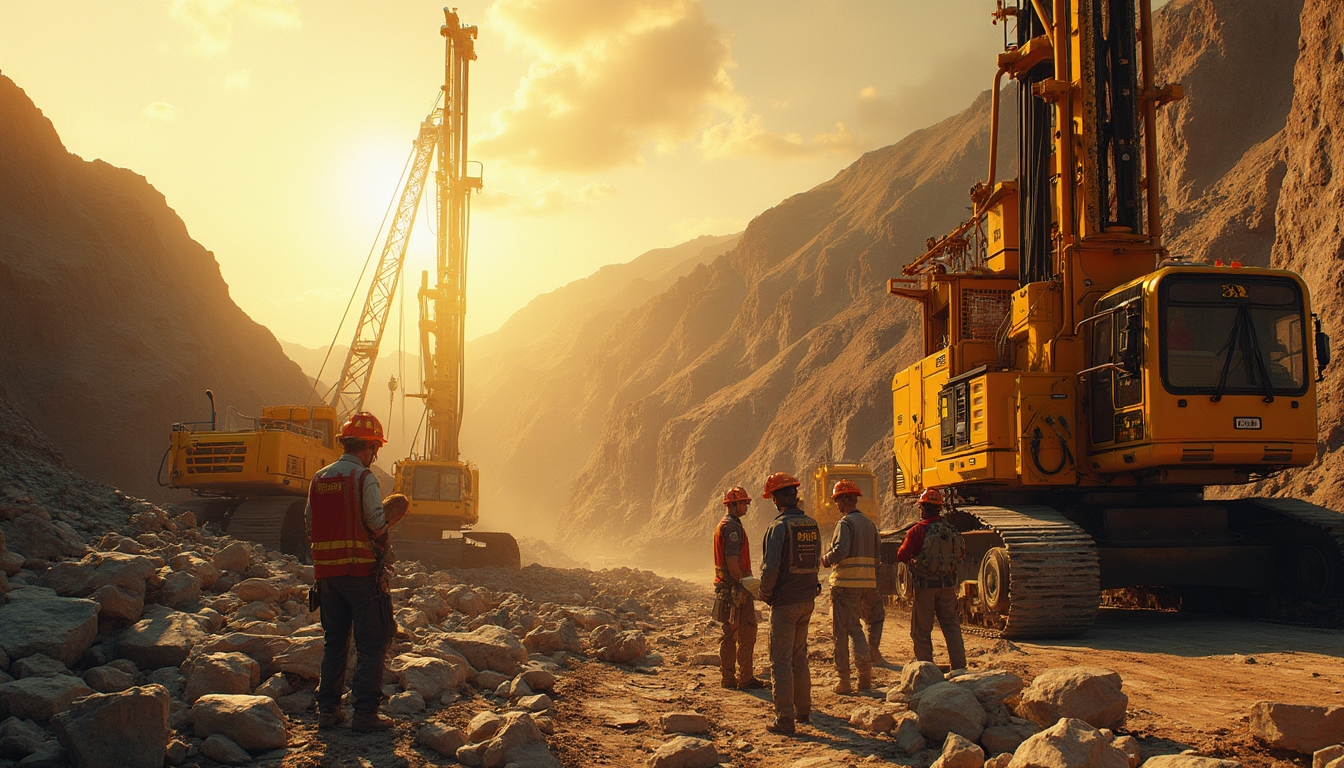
(443, 494)
(278, 456)
(824, 478)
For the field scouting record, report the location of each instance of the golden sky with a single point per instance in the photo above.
(277, 128)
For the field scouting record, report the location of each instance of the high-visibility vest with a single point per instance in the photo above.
(728, 526)
(859, 570)
(340, 542)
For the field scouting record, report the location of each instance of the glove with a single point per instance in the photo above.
(753, 585)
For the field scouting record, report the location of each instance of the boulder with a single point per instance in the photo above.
(53, 756)
(406, 703)
(539, 680)
(684, 722)
(999, 761)
(296, 703)
(1007, 737)
(264, 648)
(118, 604)
(915, 677)
(1324, 757)
(992, 686)
(948, 708)
(907, 736)
(1189, 761)
(108, 679)
(100, 569)
(163, 638)
(276, 686)
(221, 673)
(170, 678)
(1069, 743)
(252, 590)
(235, 557)
(36, 537)
(205, 571)
(1130, 746)
(537, 703)
(222, 749)
(441, 738)
(1091, 694)
(871, 719)
(685, 752)
(426, 675)
(303, 658)
(518, 742)
(489, 647)
(20, 738)
(490, 681)
(182, 589)
(39, 698)
(254, 723)
(36, 620)
(1298, 727)
(484, 726)
(38, 665)
(958, 752)
(433, 607)
(617, 646)
(128, 729)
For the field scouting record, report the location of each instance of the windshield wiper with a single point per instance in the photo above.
(1243, 329)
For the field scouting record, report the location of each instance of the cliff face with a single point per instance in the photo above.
(115, 321)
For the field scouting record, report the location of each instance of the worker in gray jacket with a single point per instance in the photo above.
(853, 555)
(789, 585)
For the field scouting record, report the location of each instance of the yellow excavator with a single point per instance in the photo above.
(252, 477)
(1082, 387)
(824, 478)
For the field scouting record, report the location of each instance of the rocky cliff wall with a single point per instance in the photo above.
(115, 321)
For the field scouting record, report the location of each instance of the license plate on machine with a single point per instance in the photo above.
(1246, 422)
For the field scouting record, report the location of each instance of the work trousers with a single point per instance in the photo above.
(847, 606)
(354, 605)
(791, 680)
(874, 615)
(939, 603)
(738, 644)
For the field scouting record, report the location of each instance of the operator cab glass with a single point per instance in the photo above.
(436, 484)
(1232, 335)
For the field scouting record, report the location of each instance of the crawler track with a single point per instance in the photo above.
(1054, 589)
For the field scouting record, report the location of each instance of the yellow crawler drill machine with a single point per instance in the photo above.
(824, 478)
(1081, 387)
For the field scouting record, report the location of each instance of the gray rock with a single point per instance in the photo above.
(181, 590)
(441, 738)
(116, 730)
(38, 665)
(118, 604)
(908, 738)
(170, 678)
(1091, 694)
(685, 752)
(34, 535)
(489, 647)
(36, 620)
(53, 756)
(1298, 727)
(297, 703)
(222, 749)
(303, 658)
(20, 738)
(948, 708)
(221, 673)
(1069, 743)
(406, 703)
(39, 698)
(163, 638)
(108, 679)
(254, 723)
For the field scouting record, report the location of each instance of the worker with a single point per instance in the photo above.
(853, 555)
(933, 549)
(733, 604)
(345, 517)
(790, 561)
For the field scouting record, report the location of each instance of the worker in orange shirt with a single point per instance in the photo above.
(733, 604)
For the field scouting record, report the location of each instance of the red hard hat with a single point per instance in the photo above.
(779, 480)
(931, 496)
(364, 426)
(736, 493)
(846, 488)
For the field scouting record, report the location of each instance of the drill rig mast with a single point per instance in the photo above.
(1081, 388)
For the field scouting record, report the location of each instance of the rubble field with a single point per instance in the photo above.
(142, 640)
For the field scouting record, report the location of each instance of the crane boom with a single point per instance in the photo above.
(348, 396)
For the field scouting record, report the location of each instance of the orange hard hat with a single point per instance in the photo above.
(736, 493)
(364, 426)
(931, 496)
(845, 488)
(779, 480)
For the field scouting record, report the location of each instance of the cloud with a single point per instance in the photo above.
(953, 82)
(238, 80)
(546, 200)
(612, 79)
(161, 110)
(212, 20)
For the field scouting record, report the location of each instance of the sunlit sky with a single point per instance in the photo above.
(277, 130)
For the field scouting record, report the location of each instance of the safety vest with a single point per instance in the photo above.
(340, 542)
(804, 545)
(723, 537)
(859, 570)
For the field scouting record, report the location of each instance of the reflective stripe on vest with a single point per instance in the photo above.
(855, 573)
(340, 542)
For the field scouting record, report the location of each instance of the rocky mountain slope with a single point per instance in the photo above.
(115, 321)
(760, 359)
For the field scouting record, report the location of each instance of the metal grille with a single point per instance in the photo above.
(983, 312)
(215, 458)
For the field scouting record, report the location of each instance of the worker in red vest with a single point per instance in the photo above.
(733, 605)
(345, 514)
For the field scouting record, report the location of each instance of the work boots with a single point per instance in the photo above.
(751, 684)
(843, 687)
(368, 722)
(728, 682)
(783, 726)
(331, 718)
(865, 679)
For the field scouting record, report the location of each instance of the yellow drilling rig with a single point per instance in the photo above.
(252, 479)
(1081, 387)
